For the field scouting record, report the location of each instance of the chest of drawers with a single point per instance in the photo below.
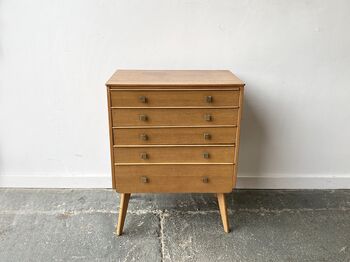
(174, 132)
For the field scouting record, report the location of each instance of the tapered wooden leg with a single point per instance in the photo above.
(223, 211)
(124, 201)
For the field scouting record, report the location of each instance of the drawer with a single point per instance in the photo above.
(174, 135)
(173, 117)
(174, 178)
(174, 98)
(174, 154)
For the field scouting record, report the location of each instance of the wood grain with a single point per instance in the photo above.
(182, 135)
(166, 78)
(173, 117)
(158, 122)
(171, 98)
(124, 201)
(203, 154)
(223, 211)
(241, 96)
(174, 178)
(110, 124)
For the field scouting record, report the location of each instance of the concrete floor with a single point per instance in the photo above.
(268, 225)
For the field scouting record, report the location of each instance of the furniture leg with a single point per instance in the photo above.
(223, 211)
(124, 201)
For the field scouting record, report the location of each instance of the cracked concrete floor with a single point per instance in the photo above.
(268, 225)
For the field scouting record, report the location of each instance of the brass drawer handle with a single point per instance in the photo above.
(205, 179)
(144, 179)
(143, 117)
(206, 155)
(144, 137)
(209, 99)
(207, 136)
(208, 117)
(143, 99)
(144, 156)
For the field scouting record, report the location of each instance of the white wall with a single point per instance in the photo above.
(294, 56)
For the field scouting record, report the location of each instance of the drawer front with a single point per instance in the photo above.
(173, 117)
(174, 178)
(175, 154)
(174, 136)
(173, 98)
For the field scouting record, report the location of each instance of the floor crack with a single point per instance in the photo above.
(162, 215)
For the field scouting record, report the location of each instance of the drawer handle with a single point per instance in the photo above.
(144, 156)
(144, 179)
(208, 117)
(209, 99)
(207, 136)
(143, 99)
(206, 155)
(143, 118)
(144, 137)
(205, 179)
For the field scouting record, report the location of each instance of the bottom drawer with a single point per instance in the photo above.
(191, 178)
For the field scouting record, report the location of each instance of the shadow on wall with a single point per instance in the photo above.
(1, 96)
(1, 34)
(1, 169)
(253, 138)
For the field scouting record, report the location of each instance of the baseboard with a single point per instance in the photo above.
(104, 181)
(56, 181)
(294, 182)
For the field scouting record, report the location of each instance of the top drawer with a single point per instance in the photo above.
(174, 98)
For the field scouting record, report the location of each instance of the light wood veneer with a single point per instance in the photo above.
(173, 117)
(175, 154)
(175, 98)
(174, 132)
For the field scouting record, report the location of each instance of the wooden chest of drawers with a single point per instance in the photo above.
(174, 132)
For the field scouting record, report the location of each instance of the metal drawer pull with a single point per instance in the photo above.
(209, 99)
(143, 99)
(207, 136)
(144, 156)
(208, 117)
(143, 118)
(144, 137)
(205, 179)
(206, 155)
(144, 179)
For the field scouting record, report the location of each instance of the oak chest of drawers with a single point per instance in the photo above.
(174, 132)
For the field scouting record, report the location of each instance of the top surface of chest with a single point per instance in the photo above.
(173, 78)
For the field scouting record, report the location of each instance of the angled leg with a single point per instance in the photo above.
(124, 201)
(223, 211)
